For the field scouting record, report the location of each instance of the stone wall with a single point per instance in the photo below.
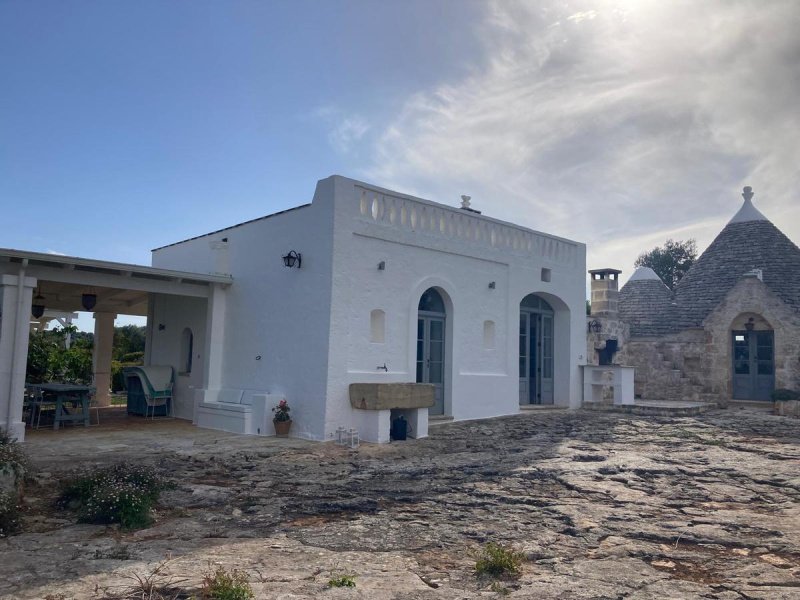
(611, 328)
(696, 364)
(750, 298)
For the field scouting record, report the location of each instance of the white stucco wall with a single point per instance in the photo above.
(276, 319)
(423, 244)
(176, 313)
(311, 326)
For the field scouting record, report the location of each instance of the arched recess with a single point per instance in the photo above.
(544, 349)
(752, 344)
(377, 326)
(432, 354)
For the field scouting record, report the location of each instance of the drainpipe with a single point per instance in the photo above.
(21, 329)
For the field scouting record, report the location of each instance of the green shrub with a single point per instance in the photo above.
(225, 585)
(12, 455)
(14, 466)
(123, 494)
(496, 560)
(782, 394)
(135, 358)
(9, 515)
(342, 581)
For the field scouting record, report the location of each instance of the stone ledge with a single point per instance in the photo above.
(386, 396)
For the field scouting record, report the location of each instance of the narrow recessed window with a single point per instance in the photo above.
(377, 326)
(187, 348)
(488, 335)
(546, 274)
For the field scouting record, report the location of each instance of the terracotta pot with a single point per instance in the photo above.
(282, 428)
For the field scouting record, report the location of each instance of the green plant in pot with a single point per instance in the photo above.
(282, 420)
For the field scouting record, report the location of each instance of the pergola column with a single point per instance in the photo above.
(215, 338)
(16, 292)
(101, 360)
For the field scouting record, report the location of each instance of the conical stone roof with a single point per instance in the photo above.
(749, 241)
(645, 304)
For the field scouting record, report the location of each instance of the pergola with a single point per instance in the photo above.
(64, 284)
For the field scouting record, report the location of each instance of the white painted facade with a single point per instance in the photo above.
(306, 334)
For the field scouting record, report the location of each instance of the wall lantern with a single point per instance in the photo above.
(382, 265)
(37, 308)
(594, 326)
(88, 301)
(293, 259)
(492, 285)
(750, 325)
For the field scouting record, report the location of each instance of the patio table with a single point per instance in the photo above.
(67, 393)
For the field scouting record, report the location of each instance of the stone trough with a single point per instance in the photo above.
(377, 404)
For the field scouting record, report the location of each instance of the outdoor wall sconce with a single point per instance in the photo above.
(492, 285)
(88, 301)
(382, 265)
(37, 308)
(293, 259)
(750, 325)
(594, 326)
(161, 327)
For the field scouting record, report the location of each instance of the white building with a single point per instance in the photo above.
(390, 288)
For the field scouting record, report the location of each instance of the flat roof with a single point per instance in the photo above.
(202, 235)
(103, 266)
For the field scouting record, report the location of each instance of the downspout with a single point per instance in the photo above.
(22, 328)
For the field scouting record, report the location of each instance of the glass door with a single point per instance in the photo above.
(753, 365)
(430, 357)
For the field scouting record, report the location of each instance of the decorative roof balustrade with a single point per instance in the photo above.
(428, 220)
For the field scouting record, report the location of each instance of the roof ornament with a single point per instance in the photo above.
(465, 205)
(747, 212)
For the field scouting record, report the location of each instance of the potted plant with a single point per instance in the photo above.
(282, 420)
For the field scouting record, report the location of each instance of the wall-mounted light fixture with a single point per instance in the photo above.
(161, 327)
(594, 326)
(37, 308)
(750, 325)
(292, 259)
(382, 265)
(88, 301)
(492, 285)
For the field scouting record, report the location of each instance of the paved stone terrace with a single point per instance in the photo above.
(603, 505)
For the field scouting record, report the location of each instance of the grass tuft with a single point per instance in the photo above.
(496, 560)
(226, 585)
(342, 581)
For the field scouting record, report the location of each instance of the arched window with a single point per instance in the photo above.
(431, 301)
(187, 350)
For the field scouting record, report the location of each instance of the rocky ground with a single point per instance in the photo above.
(602, 506)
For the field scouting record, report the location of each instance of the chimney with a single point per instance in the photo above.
(465, 205)
(605, 292)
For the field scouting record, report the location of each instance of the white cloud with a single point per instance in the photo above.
(614, 126)
(345, 130)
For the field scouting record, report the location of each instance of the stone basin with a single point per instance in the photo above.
(386, 396)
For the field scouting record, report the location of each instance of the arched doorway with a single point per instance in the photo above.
(431, 323)
(753, 359)
(535, 351)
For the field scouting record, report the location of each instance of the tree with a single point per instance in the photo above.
(670, 261)
(49, 359)
(128, 339)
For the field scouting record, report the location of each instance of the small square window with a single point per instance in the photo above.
(547, 274)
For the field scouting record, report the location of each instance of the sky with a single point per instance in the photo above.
(125, 126)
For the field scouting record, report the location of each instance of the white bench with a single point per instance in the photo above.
(235, 411)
